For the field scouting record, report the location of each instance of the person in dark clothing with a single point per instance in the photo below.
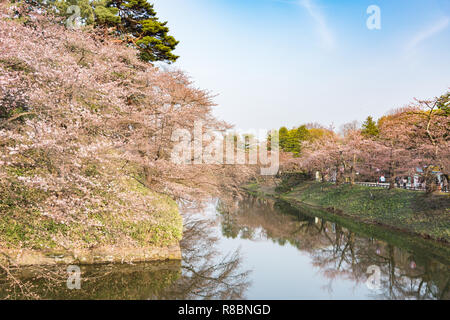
(445, 183)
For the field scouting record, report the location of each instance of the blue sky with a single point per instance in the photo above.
(282, 62)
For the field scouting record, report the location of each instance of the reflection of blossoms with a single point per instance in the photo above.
(207, 273)
(337, 252)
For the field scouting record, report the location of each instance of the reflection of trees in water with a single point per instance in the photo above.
(338, 252)
(112, 281)
(206, 274)
(203, 274)
(406, 276)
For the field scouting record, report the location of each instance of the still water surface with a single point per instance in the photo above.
(262, 249)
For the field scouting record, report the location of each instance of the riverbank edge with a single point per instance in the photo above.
(154, 239)
(438, 248)
(103, 255)
(113, 253)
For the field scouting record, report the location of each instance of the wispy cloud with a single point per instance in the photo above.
(321, 23)
(428, 33)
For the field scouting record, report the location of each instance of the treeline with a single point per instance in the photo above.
(81, 102)
(293, 140)
(411, 141)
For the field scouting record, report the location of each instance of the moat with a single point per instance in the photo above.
(261, 249)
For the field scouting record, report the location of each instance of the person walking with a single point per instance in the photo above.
(445, 183)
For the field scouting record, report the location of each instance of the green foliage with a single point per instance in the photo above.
(370, 128)
(134, 21)
(319, 133)
(20, 223)
(86, 9)
(16, 64)
(320, 200)
(105, 282)
(107, 16)
(291, 140)
(443, 103)
(303, 133)
(289, 180)
(283, 134)
(406, 210)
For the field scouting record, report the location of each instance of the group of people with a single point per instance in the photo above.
(442, 182)
(402, 183)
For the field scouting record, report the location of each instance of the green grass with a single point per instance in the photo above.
(22, 224)
(427, 215)
(16, 64)
(253, 189)
(408, 241)
(411, 211)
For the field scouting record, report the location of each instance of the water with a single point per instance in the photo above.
(297, 255)
(262, 249)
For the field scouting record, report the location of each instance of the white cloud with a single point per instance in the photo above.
(321, 23)
(428, 33)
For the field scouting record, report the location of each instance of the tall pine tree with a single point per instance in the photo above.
(135, 21)
(139, 24)
(370, 128)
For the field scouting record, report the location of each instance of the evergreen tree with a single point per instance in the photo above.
(86, 9)
(138, 22)
(283, 137)
(370, 128)
(134, 21)
(105, 15)
(291, 140)
(443, 103)
(303, 133)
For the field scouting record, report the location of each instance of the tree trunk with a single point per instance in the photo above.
(391, 183)
(352, 179)
(391, 176)
(338, 176)
(430, 182)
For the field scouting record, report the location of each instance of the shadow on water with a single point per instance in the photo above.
(204, 273)
(410, 268)
(113, 281)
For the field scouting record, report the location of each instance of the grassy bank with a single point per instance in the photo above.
(108, 217)
(409, 211)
